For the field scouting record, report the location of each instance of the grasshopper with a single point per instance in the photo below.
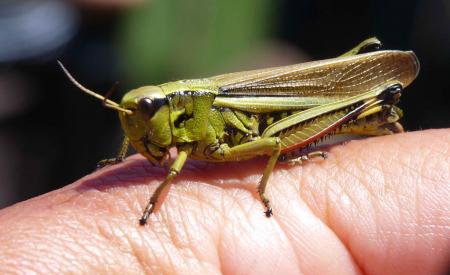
(277, 112)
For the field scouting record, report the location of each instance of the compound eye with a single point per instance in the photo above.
(146, 107)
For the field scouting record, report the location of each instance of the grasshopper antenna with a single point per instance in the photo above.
(106, 102)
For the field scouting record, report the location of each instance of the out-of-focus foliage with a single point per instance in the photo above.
(189, 38)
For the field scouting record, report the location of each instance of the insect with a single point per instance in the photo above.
(276, 112)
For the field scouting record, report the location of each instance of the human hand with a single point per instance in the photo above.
(376, 206)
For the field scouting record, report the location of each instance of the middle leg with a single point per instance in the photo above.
(265, 146)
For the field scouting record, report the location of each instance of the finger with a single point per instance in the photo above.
(386, 199)
(206, 227)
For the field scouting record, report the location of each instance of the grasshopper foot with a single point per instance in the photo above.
(268, 207)
(147, 212)
(309, 156)
(107, 162)
(269, 212)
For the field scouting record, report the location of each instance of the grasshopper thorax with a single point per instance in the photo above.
(147, 126)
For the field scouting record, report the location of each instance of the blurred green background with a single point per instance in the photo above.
(51, 133)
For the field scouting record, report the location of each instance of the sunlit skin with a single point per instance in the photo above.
(375, 206)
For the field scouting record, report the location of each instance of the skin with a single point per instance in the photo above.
(375, 206)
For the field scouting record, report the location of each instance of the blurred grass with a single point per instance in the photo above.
(172, 39)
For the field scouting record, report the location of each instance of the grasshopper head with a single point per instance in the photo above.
(144, 115)
(147, 125)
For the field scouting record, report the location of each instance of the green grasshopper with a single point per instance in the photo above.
(278, 112)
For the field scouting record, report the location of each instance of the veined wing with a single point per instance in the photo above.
(310, 84)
